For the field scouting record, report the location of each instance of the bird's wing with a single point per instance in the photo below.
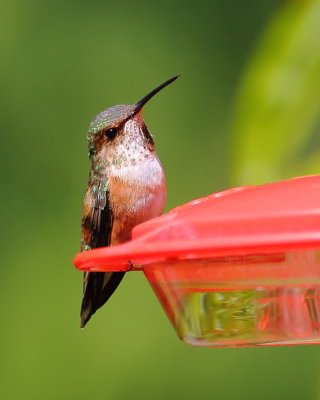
(97, 221)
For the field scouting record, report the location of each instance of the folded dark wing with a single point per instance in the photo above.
(97, 221)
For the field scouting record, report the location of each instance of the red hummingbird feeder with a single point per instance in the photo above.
(237, 268)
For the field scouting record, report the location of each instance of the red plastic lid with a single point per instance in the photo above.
(275, 217)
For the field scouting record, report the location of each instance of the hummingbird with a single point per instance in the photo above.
(126, 187)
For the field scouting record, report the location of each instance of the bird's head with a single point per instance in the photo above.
(117, 127)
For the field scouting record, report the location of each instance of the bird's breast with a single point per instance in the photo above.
(136, 194)
(148, 172)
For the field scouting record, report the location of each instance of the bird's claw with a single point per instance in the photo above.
(130, 266)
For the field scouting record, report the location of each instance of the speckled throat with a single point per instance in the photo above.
(133, 146)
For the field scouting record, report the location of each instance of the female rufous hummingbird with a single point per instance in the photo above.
(126, 187)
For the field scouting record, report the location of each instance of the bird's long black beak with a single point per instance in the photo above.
(146, 98)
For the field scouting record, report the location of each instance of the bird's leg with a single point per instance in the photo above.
(130, 266)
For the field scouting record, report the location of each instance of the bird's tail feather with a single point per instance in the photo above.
(98, 287)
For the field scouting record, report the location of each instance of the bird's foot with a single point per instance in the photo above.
(130, 266)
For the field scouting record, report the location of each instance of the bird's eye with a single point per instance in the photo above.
(111, 133)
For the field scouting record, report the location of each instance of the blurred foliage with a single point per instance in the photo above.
(62, 63)
(278, 106)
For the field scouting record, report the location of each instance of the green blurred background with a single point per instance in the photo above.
(245, 111)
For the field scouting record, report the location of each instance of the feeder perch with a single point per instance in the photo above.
(236, 268)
